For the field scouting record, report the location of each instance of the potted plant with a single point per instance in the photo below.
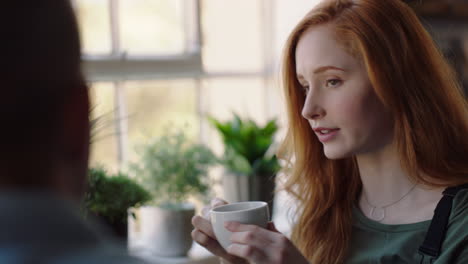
(110, 196)
(250, 169)
(173, 168)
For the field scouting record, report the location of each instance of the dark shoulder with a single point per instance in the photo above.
(455, 245)
(460, 206)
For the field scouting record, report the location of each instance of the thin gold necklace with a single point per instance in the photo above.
(382, 208)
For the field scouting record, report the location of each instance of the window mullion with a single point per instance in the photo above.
(267, 25)
(121, 123)
(192, 25)
(202, 108)
(120, 100)
(115, 27)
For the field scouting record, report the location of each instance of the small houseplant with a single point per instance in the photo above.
(110, 196)
(173, 168)
(250, 168)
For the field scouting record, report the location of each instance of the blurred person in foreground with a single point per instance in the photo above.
(376, 145)
(44, 139)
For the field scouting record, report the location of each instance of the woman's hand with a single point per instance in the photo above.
(203, 234)
(262, 246)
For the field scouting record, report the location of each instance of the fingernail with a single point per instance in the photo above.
(215, 203)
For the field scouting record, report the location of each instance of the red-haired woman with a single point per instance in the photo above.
(377, 139)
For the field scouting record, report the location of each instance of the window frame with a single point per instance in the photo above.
(119, 66)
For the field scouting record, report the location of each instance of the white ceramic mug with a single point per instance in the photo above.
(250, 213)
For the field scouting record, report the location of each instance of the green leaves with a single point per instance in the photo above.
(236, 163)
(246, 145)
(173, 168)
(110, 196)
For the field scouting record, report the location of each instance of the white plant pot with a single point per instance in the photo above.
(166, 233)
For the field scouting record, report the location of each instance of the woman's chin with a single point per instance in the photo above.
(335, 154)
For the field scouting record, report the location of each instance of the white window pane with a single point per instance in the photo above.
(244, 96)
(103, 131)
(232, 35)
(94, 22)
(152, 105)
(152, 27)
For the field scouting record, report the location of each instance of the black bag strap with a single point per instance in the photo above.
(436, 233)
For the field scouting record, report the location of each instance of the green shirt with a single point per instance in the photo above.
(376, 243)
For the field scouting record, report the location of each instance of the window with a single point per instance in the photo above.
(127, 45)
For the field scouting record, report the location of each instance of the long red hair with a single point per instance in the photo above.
(412, 79)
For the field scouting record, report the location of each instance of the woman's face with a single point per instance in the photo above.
(341, 105)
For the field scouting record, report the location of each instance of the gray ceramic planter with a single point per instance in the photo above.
(242, 188)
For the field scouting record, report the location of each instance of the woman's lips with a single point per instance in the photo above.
(328, 136)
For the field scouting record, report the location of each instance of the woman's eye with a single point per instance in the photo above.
(333, 82)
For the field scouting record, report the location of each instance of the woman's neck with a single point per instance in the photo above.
(383, 178)
(385, 183)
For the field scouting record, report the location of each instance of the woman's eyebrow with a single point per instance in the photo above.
(320, 69)
(326, 68)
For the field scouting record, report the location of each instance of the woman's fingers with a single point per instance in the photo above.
(214, 247)
(206, 212)
(209, 243)
(203, 234)
(203, 225)
(217, 202)
(247, 252)
(251, 235)
(213, 204)
(258, 244)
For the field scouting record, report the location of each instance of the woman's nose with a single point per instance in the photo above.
(312, 110)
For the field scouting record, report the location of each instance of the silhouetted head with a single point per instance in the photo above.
(44, 104)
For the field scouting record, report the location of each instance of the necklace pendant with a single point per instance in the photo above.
(375, 215)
